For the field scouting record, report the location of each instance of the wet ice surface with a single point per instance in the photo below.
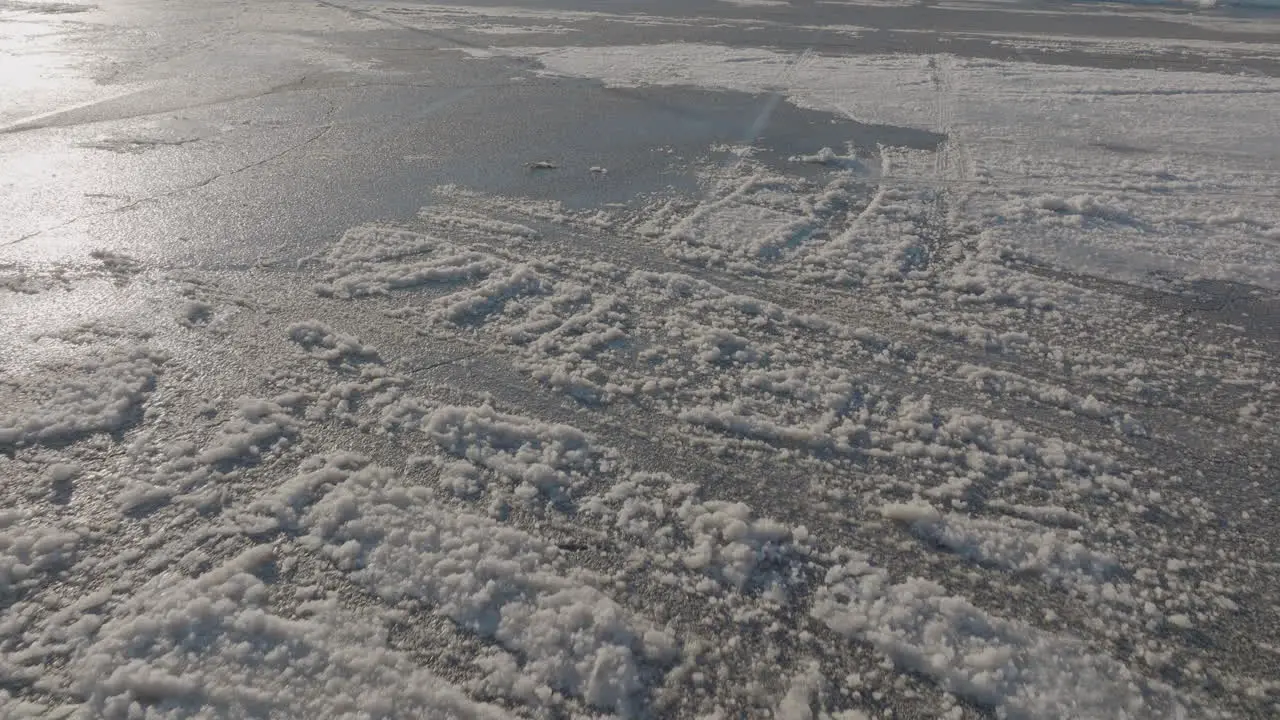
(410, 360)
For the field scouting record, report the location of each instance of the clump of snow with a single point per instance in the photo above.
(285, 504)
(117, 264)
(29, 549)
(62, 472)
(729, 543)
(998, 382)
(257, 426)
(375, 261)
(195, 313)
(493, 579)
(827, 156)
(321, 342)
(1007, 665)
(25, 282)
(1013, 545)
(1055, 208)
(462, 478)
(919, 430)
(795, 704)
(546, 456)
(491, 296)
(212, 645)
(93, 395)
(454, 218)
(912, 512)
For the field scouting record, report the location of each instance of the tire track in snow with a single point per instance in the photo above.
(758, 592)
(351, 350)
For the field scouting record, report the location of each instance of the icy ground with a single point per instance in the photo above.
(984, 425)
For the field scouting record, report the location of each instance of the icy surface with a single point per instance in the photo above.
(977, 426)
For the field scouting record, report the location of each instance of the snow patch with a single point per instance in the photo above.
(378, 260)
(97, 395)
(29, 549)
(321, 342)
(212, 645)
(547, 456)
(498, 582)
(1010, 666)
(1011, 545)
